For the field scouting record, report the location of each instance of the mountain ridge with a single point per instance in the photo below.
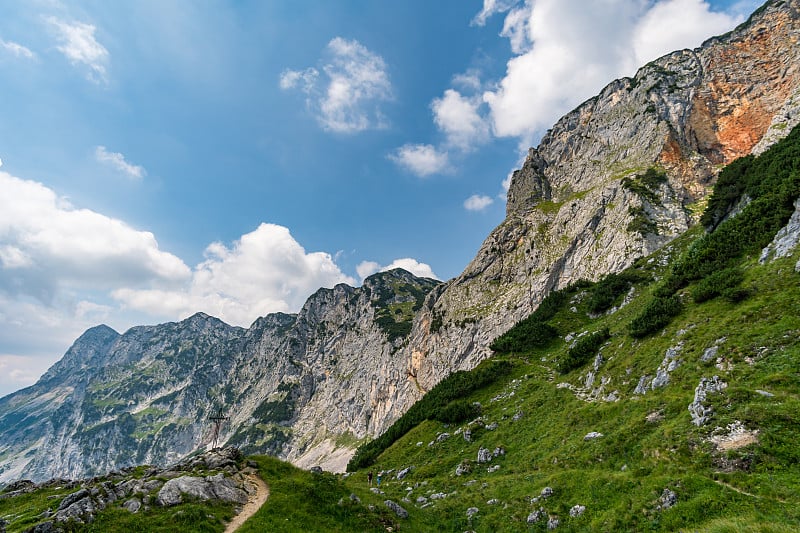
(617, 178)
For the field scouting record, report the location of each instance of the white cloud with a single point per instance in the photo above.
(79, 45)
(304, 79)
(421, 159)
(457, 116)
(46, 245)
(477, 202)
(17, 49)
(117, 161)
(265, 271)
(492, 7)
(675, 24)
(422, 270)
(567, 50)
(348, 99)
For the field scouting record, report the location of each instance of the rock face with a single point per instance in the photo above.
(287, 384)
(613, 180)
(583, 205)
(127, 490)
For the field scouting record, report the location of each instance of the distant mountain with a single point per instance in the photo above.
(618, 178)
(146, 396)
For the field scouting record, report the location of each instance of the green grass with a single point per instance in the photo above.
(302, 501)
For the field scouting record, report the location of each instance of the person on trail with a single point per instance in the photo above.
(369, 477)
(379, 478)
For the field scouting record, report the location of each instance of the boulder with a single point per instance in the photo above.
(399, 511)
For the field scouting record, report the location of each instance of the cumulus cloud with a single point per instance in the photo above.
(422, 270)
(458, 118)
(264, 271)
(567, 50)
(17, 49)
(477, 202)
(79, 45)
(117, 161)
(47, 245)
(348, 97)
(421, 159)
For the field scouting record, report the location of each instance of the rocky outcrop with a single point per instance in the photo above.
(289, 386)
(125, 489)
(617, 178)
(583, 204)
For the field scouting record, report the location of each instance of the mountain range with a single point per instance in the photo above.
(615, 180)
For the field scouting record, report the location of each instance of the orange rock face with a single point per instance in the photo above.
(746, 83)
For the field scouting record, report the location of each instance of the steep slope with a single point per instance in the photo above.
(621, 176)
(146, 396)
(584, 203)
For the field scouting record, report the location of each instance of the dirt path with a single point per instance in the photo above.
(740, 491)
(254, 503)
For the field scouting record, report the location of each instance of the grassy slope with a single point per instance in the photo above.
(620, 476)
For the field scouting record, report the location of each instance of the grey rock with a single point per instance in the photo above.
(376, 490)
(492, 426)
(316, 469)
(404, 472)
(472, 511)
(484, 455)
(133, 505)
(399, 511)
(467, 435)
(498, 451)
(577, 510)
(463, 468)
(536, 515)
(212, 487)
(765, 393)
(72, 498)
(552, 522)
(422, 500)
(785, 241)
(709, 354)
(592, 435)
(641, 387)
(354, 498)
(438, 496)
(493, 501)
(667, 499)
(699, 411)
(493, 469)
(442, 437)
(546, 492)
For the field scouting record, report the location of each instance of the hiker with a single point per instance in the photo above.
(369, 477)
(379, 478)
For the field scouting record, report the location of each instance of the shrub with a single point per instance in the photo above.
(454, 387)
(655, 316)
(715, 284)
(607, 291)
(533, 331)
(583, 350)
(456, 412)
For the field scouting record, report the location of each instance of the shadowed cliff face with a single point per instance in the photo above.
(616, 179)
(581, 206)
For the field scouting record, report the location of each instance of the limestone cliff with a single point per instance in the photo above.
(617, 178)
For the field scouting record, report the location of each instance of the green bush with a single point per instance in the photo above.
(655, 316)
(456, 412)
(533, 331)
(524, 336)
(454, 387)
(717, 283)
(584, 349)
(606, 292)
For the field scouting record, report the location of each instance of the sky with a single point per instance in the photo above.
(160, 158)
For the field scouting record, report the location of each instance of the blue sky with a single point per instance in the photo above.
(166, 157)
